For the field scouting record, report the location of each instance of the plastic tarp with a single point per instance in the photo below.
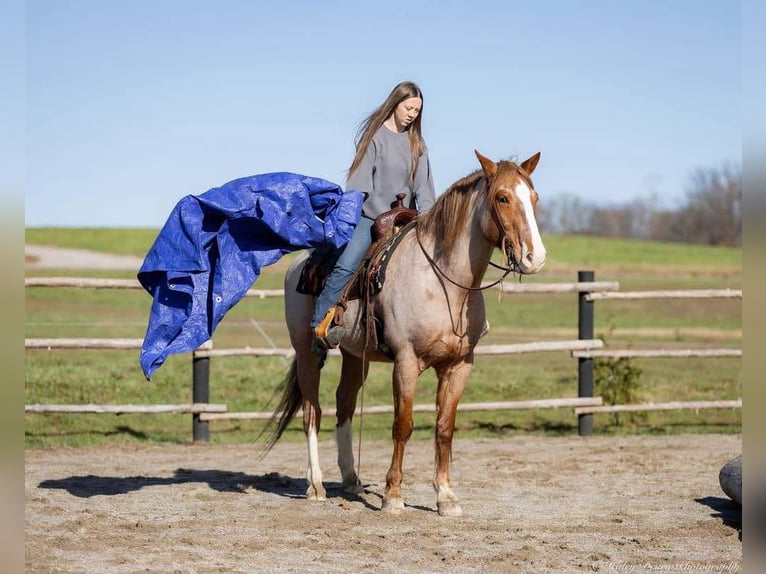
(213, 246)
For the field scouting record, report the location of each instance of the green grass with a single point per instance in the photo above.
(584, 250)
(122, 241)
(567, 250)
(249, 384)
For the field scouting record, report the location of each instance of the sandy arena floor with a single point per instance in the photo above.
(532, 504)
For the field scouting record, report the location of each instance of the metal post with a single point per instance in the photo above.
(200, 394)
(585, 365)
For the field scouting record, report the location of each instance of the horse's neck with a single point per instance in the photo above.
(467, 262)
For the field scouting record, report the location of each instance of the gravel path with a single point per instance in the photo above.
(47, 257)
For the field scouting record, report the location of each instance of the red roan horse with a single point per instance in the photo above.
(433, 315)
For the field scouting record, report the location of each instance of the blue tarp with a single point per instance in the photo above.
(213, 246)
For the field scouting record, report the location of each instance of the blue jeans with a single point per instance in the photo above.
(344, 269)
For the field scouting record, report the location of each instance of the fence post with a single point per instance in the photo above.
(585, 364)
(200, 394)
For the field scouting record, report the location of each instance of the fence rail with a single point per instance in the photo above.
(579, 287)
(676, 405)
(430, 408)
(127, 409)
(670, 294)
(585, 349)
(82, 343)
(89, 282)
(657, 353)
(518, 348)
(96, 283)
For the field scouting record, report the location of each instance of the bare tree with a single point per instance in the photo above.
(712, 213)
(632, 219)
(566, 213)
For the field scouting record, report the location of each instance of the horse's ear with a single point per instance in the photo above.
(530, 164)
(489, 166)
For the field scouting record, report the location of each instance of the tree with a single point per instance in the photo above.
(712, 213)
(566, 214)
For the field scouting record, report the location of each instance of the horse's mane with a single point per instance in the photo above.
(447, 217)
(448, 214)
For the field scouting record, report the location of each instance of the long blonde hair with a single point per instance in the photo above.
(371, 124)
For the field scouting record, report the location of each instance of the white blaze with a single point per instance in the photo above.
(534, 261)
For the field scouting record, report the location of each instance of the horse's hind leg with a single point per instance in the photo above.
(308, 380)
(405, 376)
(452, 381)
(298, 310)
(353, 374)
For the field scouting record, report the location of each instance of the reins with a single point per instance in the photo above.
(438, 270)
(512, 263)
(364, 310)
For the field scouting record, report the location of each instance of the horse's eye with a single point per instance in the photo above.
(502, 199)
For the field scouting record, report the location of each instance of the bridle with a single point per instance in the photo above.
(505, 245)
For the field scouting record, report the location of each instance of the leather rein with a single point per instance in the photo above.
(505, 245)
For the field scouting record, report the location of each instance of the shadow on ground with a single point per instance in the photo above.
(727, 510)
(220, 480)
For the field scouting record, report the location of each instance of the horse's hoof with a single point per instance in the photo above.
(449, 508)
(393, 505)
(352, 487)
(318, 495)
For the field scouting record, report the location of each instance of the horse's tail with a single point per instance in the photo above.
(289, 404)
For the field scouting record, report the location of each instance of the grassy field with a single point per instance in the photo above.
(247, 383)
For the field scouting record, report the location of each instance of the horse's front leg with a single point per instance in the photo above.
(352, 377)
(405, 376)
(452, 380)
(308, 380)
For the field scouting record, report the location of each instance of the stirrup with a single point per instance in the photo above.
(327, 334)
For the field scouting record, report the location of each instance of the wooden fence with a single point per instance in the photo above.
(585, 348)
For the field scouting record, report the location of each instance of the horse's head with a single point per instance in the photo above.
(511, 201)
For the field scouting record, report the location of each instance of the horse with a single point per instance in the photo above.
(432, 310)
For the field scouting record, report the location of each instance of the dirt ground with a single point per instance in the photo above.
(531, 504)
(46, 257)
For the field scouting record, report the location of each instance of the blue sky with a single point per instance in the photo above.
(132, 105)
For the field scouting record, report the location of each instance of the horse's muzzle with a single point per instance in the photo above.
(531, 261)
(523, 260)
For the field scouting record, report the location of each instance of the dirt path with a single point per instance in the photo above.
(532, 504)
(48, 257)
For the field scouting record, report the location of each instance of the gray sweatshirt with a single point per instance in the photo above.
(385, 171)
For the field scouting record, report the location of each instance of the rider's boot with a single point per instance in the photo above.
(327, 334)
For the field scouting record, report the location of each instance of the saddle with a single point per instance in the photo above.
(388, 230)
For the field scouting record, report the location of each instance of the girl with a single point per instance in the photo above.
(391, 157)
